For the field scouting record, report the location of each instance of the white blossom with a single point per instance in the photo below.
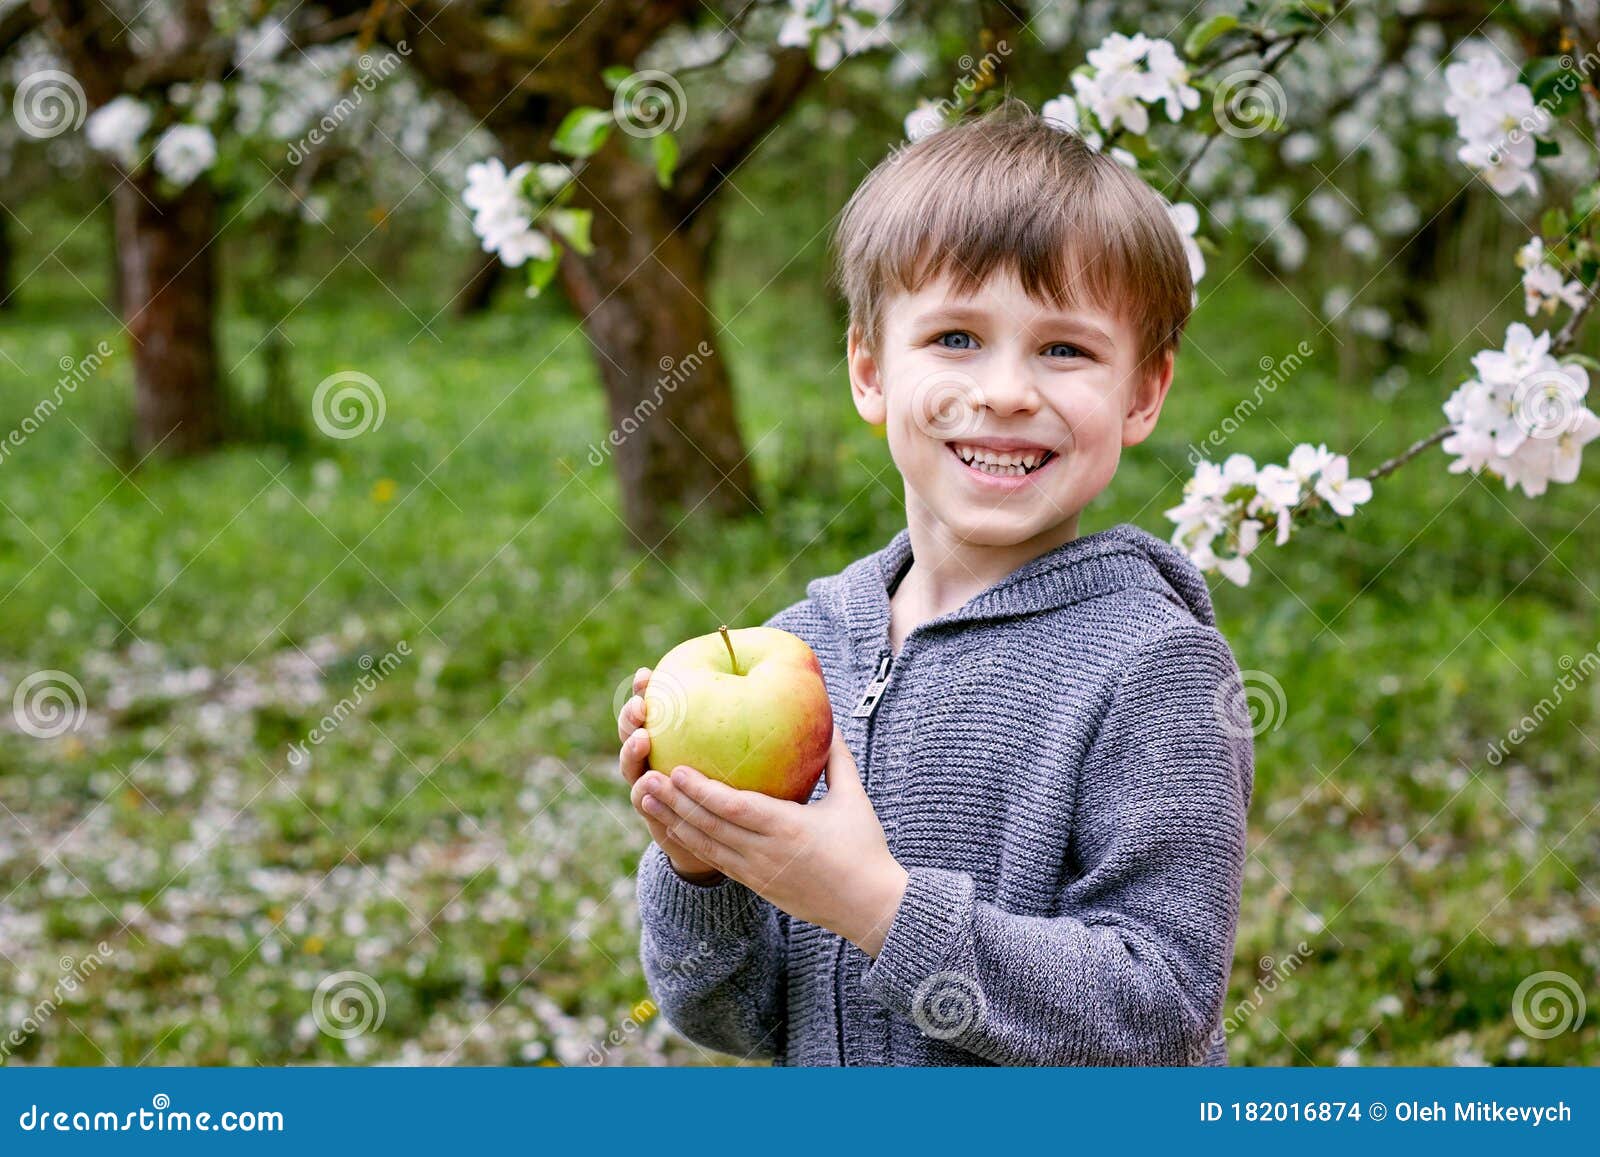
(116, 128)
(1544, 286)
(184, 152)
(1226, 508)
(1167, 80)
(1496, 118)
(502, 213)
(1187, 220)
(1523, 417)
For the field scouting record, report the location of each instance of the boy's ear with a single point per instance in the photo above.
(866, 380)
(1148, 397)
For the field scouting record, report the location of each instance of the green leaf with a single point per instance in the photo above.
(1545, 148)
(1554, 222)
(1207, 31)
(1587, 200)
(572, 226)
(615, 75)
(541, 270)
(582, 131)
(664, 148)
(1583, 360)
(1299, 18)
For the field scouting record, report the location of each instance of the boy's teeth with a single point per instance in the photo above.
(1000, 464)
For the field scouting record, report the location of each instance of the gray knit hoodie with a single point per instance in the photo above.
(1063, 768)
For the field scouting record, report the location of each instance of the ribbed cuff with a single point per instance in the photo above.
(674, 909)
(934, 914)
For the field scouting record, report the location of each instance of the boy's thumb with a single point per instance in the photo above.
(841, 771)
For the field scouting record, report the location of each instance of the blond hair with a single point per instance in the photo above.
(1007, 191)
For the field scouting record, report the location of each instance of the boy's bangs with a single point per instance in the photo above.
(1062, 258)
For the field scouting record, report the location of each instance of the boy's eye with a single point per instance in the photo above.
(957, 339)
(1063, 349)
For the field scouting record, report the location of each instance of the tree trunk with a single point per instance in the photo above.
(167, 283)
(478, 286)
(674, 435)
(7, 257)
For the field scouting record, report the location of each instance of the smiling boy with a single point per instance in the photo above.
(1030, 841)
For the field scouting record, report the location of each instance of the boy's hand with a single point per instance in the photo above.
(827, 863)
(635, 748)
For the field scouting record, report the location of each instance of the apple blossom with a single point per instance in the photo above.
(1168, 80)
(185, 151)
(1544, 286)
(1523, 417)
(851, 27)
(1496, 118)
(1226, 509)
(1187, 219)
(116, 128)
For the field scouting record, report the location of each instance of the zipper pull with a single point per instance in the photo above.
(874, 691)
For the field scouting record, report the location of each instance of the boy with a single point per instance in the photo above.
(1030, 845)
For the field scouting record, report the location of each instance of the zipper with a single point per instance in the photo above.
(864, 709)
(874, 691)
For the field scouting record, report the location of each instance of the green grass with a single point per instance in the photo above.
(461, 838)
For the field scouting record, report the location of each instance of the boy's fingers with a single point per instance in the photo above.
(631, 718)
(842, 773)
(641, 788)
(749, 810)
(641, 680)
(678, 805)
(631, 761)
(699, 843)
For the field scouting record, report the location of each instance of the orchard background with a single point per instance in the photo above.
(325, 551)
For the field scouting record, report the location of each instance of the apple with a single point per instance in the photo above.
(748, 707)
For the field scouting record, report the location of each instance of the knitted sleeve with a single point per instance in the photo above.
(714, 958)
(1133, 968)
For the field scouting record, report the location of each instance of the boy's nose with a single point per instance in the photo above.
(1008, 393)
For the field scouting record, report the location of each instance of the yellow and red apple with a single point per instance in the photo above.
(747, 707)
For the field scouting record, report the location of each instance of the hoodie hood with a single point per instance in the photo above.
(1119, 558)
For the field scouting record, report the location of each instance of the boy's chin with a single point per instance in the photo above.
(994, 528)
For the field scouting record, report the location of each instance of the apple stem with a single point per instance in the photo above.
(728, 642)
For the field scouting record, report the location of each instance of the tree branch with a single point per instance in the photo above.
(733, 135)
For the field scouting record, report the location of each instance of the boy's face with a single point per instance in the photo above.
(1005, 415)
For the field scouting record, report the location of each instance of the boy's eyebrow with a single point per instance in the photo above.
(967, 315)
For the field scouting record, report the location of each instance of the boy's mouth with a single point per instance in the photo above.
(1009, 461)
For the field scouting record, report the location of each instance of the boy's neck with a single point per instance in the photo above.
(947, 572)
